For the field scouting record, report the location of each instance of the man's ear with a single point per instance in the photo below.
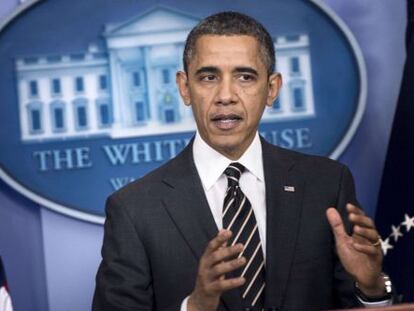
(275, 84)
(182, 84)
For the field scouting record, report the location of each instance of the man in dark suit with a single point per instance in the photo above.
(282, 246)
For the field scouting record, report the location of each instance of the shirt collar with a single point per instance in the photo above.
(211, 164)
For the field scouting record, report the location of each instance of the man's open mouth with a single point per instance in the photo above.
(226, 121)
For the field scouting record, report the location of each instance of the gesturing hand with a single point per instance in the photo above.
(360, 253)
(211, 282)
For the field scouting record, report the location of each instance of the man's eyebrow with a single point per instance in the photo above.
(246, 70)
(209, 69)
(213, 69)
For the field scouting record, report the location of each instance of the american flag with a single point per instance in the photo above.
(395, 211)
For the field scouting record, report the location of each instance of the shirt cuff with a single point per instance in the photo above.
(376, 304)
(184, 304)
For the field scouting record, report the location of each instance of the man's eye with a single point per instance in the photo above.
(246, 77)
(208, 78)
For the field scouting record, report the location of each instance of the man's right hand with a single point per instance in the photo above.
(211, 281)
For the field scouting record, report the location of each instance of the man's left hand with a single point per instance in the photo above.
(360, 253)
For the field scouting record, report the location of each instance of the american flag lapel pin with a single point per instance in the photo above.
(289, 188)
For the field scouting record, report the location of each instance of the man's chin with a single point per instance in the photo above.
(229, 147)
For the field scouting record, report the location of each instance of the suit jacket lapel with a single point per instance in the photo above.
(187, 205)
(284, 206)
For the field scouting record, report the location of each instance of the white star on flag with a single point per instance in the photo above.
(385, 245)
(408, 222)
(396, 233)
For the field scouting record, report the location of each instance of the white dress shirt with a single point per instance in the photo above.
(210, 166)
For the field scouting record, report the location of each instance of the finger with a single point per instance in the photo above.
(222, 285)
(222, 254)
(221, 238)
(351, 208)
(361, 220)
(361, 240)
(226, 267)
(369, 234)
(370, 250)
(336, 222)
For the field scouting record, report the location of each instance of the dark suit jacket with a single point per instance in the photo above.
(158, 227)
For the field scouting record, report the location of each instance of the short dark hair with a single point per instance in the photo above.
(230, 24)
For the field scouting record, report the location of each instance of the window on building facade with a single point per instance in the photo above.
(169, 111)
(294, 65)
(81, 113)
(298, 98)
(77, 56)
(56, 87)
(35, 117)
(36, 121)
(99, 55)
(169, 115)
(58, 116)
(81, 117)
(104, 113)
(277, 105)
(140, 111)
(79, 85)
(136, 78)
(54, 59)
(30, 60)
(103, 82)
(166, 76)
(292, 38)
(33, 89)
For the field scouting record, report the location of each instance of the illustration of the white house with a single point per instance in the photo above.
(128, 88)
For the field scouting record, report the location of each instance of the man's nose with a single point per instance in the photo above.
(226, 92)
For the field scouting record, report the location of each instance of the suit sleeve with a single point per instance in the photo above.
(123, 281)
(344, 284)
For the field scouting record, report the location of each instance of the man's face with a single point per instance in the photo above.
(228, 87)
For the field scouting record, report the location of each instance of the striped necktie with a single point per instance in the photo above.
(238, 216)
